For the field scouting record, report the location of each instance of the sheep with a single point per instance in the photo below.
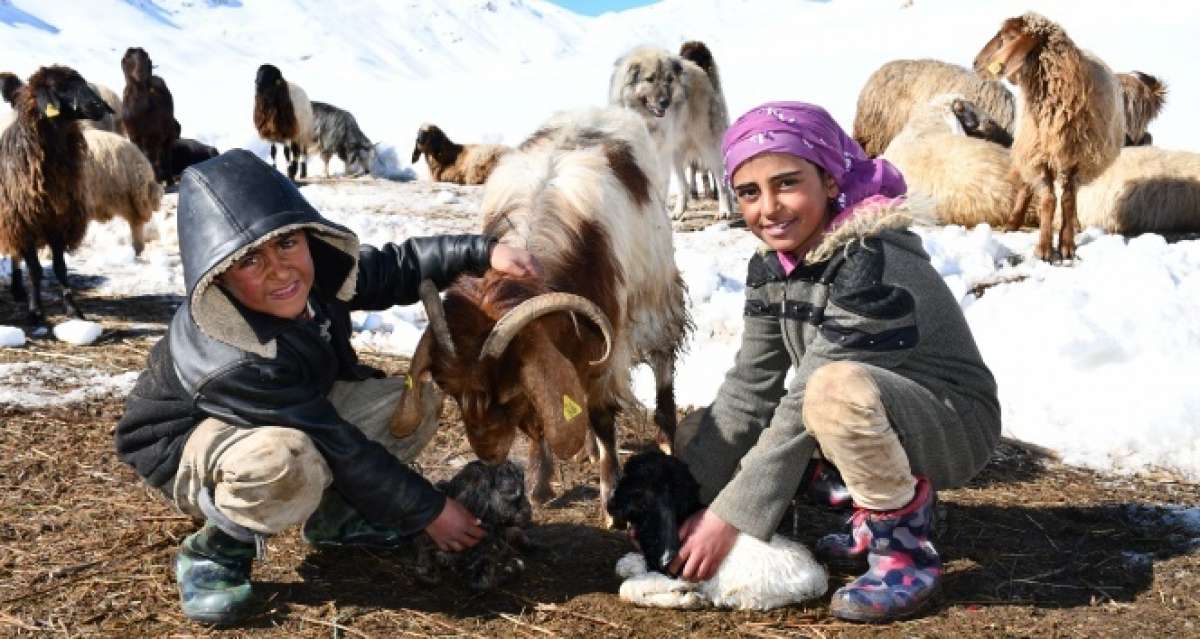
(1072, 120)
(893, 90)
(119, 182)
(336, 132)
(110, 122)
(656, 495)
(457, 163)
(583, 194)
(1146, 190)
(1144, 96)
(283, 115)
(186, 152)
(9, 83)
(41, 164)
(496, 495)
(699, 53)
(967, 178)
(148, 110)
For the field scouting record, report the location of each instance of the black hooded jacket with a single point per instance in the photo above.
(220, 359)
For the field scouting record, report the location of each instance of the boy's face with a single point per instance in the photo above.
(275, 278)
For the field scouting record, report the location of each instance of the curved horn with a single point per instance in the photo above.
(525, 312)
(437, 316)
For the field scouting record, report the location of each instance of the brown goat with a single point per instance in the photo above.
(1071, 125)
(9, 83)
(457, 163)
(512, 352)
(148, 111)
(283, 115)
(41, 186)
(1144, 97)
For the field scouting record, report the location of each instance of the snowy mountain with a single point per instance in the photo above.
(1097, 361)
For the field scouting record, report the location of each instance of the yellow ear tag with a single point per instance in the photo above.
(995, 67)
(408, 383)
(571, 410)
(51, 111)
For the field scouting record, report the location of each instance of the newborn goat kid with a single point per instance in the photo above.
(496, 495)
(656, 494)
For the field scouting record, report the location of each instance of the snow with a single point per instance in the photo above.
(40, 385)
(11, 337)
(1097, 361)
(78, 332)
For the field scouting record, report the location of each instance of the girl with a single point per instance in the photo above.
(888, 384)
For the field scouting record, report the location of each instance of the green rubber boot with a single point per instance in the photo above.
(336, 523)
(212, 571)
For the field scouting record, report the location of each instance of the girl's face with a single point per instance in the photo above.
(275, 278)
(784, 199)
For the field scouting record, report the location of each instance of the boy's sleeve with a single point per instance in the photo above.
(385, 490)
(389, 275)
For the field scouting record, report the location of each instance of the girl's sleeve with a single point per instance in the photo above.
(746, 400)
(391, 274)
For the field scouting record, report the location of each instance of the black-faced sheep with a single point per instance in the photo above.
(684, 112)
(148, 110)
(968, 179)
(119, 182)
(656, 495)
(1072, 121)
(283, 115)
(457, 163)
(186, 152)
(697, 173)
(896, 88)
(584, 195)
(41, 184)
(495, 493)
(336, 132)
(1144, 96)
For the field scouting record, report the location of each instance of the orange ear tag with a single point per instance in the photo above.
(571, 410)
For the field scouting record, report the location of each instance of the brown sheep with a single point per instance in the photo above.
(1144, 97)
(457, 163)
(1072, 121)
(896, 88)
(41, 185)
(148, 111)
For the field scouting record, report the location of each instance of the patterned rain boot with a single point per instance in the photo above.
(905, 570)
(212, 570)
(336, 523)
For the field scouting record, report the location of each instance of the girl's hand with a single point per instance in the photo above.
(455, 529)
(706, 539)
(514, 261)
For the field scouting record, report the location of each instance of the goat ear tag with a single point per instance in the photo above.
(408, 381)
(995, 67)
(51, 111)
(571, 410)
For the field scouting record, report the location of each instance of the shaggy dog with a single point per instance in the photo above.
(496, 495)
(685, 114)
(655, 495)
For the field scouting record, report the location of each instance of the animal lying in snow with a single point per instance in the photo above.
(655, 495)
(496, 495)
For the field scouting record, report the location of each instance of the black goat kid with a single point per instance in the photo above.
(656, 494)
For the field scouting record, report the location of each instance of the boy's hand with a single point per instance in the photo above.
(707, 539)
(455, 529)
(514, 261)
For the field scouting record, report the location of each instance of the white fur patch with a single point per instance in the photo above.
(754, 576)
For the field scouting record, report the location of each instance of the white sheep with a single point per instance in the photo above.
(119, 182)
(1146, 190)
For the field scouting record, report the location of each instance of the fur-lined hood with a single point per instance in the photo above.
(227, 206)
(870, 218)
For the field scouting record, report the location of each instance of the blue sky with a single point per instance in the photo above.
(596, 7)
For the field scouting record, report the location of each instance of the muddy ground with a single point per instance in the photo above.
(1033, 548)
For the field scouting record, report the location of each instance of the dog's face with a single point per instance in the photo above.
(1006, 53)
(136, 64)
(652, 83)
(656, 494)
(495, 493)
(63, 94)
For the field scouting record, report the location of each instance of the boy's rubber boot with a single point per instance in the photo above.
(336, 523)
(905, 571)
(212, 570)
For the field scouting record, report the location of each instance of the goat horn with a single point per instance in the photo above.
(525, 312)
(437, 316)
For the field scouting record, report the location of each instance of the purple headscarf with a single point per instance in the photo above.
(807, 130)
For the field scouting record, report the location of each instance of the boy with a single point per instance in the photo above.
(254, 413)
